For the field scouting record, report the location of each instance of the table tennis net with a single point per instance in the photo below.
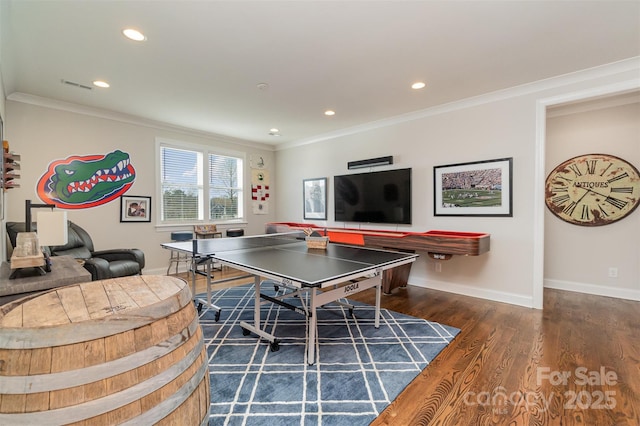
(217, 245)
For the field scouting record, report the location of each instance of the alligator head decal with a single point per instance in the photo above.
(86, 181)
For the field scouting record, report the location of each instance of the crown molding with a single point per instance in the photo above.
(630, 64)
(598, 103)
(128, 119)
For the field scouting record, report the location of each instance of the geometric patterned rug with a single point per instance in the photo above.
(359, 371)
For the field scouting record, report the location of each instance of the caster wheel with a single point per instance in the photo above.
(199, 307)
(276, 288)
(217, 317)
(351, 313)
(245, 332)
(275, 346)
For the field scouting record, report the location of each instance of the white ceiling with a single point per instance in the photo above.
(202, 62)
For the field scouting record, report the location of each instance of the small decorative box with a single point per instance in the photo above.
(317, 242)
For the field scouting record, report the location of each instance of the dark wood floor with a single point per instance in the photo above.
(576, 362)
(519, 366)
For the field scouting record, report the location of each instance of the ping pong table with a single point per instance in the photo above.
(322, 275)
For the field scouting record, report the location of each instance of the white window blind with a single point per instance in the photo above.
(225, 187)
(187, 186)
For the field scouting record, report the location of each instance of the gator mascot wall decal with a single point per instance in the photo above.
(80, 182)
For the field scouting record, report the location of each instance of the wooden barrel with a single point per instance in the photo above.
(120, 351)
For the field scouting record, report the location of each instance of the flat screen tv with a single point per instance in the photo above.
(374, 197)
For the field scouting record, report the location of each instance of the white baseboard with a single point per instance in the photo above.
(496, 296)
(162, 271)
(598, 290)
(465, 290)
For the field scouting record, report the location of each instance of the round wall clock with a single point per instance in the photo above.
(593, 190)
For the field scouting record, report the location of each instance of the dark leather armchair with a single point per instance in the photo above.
(101, 264)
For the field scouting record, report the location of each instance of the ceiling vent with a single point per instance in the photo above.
(74, 84)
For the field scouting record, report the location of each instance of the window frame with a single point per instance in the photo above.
(203, 206)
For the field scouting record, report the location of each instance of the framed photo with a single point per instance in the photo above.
(314, 193)
(135, 209)
(481, 188)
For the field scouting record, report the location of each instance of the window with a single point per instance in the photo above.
(197, 184)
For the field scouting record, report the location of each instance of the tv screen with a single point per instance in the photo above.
(374, 197)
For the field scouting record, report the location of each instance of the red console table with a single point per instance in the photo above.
(439, 245)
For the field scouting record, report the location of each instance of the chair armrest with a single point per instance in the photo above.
(136, 255)
(99, 268)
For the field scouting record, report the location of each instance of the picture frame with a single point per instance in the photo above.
(314, 198)
(134, 208)
(479, 188)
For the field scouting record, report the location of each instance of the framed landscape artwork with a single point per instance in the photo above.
(480, 188)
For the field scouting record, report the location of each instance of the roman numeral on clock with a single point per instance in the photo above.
(591, 166)
(624, 189)
(560, 199)
(622, 176)
(605, 170)
(575, 169)
(570, 208)
(585, 213)
(616, 202)
(604, 213)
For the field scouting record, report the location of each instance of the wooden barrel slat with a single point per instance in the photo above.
(12, 318)
(40, 378)
(96, 298)
(116, 322)
(44, 310)
(73, 304)
(141, 295)
(137, 353)
(158, 286)
(190, 392)
(118, 298)
(90, 409)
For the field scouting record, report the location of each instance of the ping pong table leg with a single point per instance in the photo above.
(194, 271)
(378, 297)
(257, 326)
(193, 277)
(311, 331)
(256, 303)
(209, 283)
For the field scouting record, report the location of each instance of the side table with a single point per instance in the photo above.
(65, 270)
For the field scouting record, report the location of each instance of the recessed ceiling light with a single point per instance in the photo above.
(274, 130)
(418, 85)
(134, 35)
(329, 112)
(101, 83)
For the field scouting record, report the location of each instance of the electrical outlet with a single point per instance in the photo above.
(613, 272)
(438, 266)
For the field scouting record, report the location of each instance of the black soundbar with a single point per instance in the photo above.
(380, 161)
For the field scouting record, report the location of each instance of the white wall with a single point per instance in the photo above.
(502, 124)
(42, 134)
(576, 257)
(496, 125)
